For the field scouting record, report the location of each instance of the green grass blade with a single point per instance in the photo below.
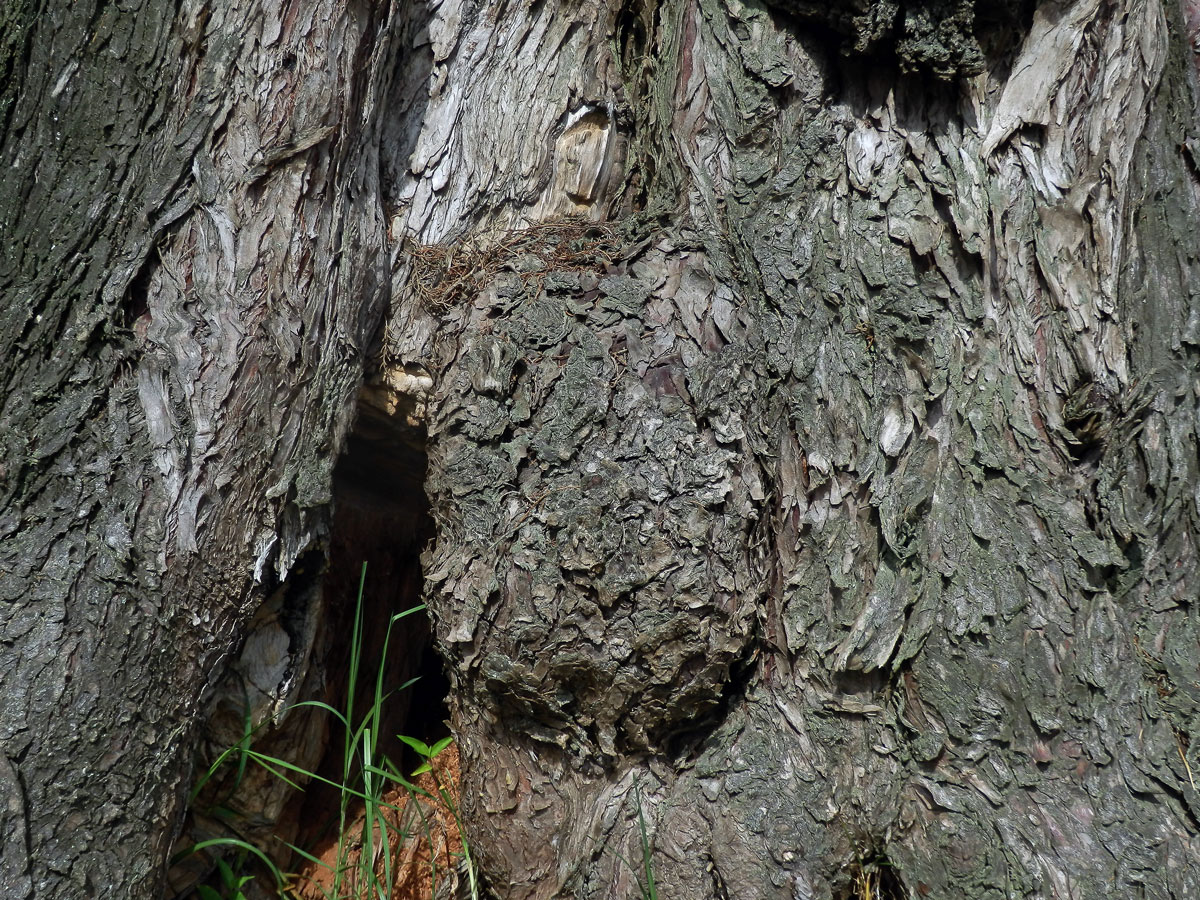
(238, 844)
(420, 746)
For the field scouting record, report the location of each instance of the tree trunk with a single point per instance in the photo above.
(847, 514)
(194, 267)
(811, 402)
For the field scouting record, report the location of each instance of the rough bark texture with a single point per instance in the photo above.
(194, 265)
(812, 442)
(851, 508)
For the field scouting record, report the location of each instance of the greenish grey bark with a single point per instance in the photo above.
(831, 477)
(192, 272)
(852, 511)
(937, 36)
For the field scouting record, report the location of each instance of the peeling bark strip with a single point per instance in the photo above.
(841, 494)
(853, 512)
(194, 265)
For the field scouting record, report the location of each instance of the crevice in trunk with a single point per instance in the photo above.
(874, 878)
(687, 743)
(381, 518)
(299, 648)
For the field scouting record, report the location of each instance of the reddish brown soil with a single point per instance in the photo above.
(435, 838)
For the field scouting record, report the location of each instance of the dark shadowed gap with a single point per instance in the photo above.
(381, 512)
(874, 879)
(381, 517)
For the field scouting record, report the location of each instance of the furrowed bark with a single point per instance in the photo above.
(812, 442)
(849, 507)
(194, 268)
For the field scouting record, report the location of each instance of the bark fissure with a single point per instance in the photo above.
(846, 500)
(298, 646)
(917, 405)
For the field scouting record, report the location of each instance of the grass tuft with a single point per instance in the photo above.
(365, 862)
